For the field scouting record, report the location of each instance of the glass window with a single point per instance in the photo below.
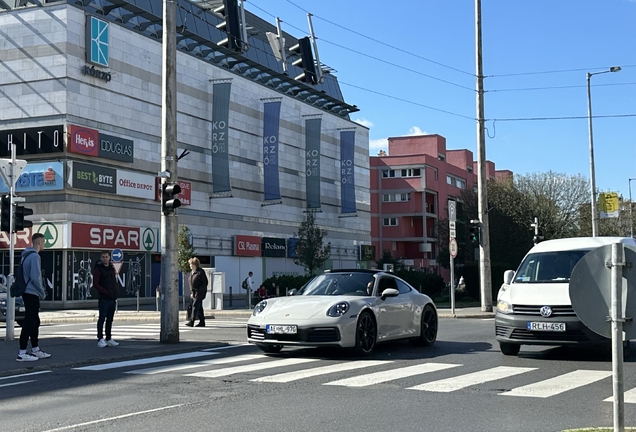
(548, 267)
(403, 287)
(449, 180)
(354, 284)
(405, 173)
(385, 173)
(390, 221)
(386, 283)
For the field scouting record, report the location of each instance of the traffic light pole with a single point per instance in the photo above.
(169, 221)
(10, 300)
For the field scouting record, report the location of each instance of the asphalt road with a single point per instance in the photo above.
(463, 383)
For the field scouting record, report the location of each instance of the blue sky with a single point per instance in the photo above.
(433, 75)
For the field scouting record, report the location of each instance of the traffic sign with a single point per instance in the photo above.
(452, 234)
(452, 212)
(117, 255)
(590, 290)
(118, 266)
(452, 247)
(451, 225)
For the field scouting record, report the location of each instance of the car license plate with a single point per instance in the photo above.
(546, 326)
(20, 309)
(281, 329)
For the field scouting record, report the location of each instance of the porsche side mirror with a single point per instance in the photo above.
(292, 292)
(389, 292)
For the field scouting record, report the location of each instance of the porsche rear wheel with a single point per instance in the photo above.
(366, 334)
(428, 324)
(270, 349)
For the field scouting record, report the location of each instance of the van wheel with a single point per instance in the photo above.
(509, 349)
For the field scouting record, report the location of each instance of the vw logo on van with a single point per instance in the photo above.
(545, 311)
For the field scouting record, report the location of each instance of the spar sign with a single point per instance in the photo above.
(108, 237)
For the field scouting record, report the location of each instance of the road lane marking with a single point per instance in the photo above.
(251, 367)
(16, 383)
(143, 361)
(463, 381)
(629, 397)
(63, 428)
(559, 384)
(390, 375)
(173, 368)
(26, 374)
(231, 345)
(323, 370)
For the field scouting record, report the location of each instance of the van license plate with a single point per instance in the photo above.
(545, 326)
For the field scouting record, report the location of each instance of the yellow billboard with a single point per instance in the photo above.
(608, 205)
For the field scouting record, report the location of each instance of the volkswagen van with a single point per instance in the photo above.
(533, 304)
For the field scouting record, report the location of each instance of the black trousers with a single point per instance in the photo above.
(106, 312)
(31, 323)
(197, 311)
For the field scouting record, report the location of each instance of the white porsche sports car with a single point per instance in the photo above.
(345, 308)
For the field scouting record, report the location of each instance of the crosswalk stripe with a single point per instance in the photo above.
(173, 368)
(629, 397)
(559, 384)
(463, 381)
(390, 375)
(148, 360)
(16, 383)
(323, 370)
(251, 367)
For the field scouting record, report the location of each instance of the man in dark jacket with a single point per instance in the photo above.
(199, 288)
(105, 283)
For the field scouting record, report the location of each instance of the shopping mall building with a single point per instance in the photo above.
(81, 100)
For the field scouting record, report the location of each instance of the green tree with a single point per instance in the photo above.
(186, 250)
(387, 258)
(310, 250)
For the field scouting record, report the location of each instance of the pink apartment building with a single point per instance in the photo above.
(409, 191)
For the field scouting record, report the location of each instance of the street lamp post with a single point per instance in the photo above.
(591, 137)
(631, 209)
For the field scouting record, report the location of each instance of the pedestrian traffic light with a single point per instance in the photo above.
(169, 200)
(305, 61)
(5, 215)
(538, 237)
(474, 232)
(20, 223)
(231, 25)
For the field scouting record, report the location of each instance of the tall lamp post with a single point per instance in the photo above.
(591, 137)
(631, 209)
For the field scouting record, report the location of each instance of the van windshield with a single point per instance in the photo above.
(548, 267)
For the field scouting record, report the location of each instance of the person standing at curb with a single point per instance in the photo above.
(31, 266)
(105, 283)
(199, 288)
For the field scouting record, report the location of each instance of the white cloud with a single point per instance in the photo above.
(383, 143)
(364, 122)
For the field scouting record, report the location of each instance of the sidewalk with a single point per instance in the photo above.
(68, 352)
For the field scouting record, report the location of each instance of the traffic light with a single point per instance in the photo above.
(474, 232)
(169, 200)
(538, 237)
(20, 224)
(5, 216)
(232, 25)
(305, 61)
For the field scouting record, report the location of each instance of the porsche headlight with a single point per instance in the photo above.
(259, 307)
(504, 307)
(338, 310)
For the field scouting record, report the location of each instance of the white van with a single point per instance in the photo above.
(533, 304)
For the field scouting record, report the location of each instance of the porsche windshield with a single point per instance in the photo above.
(548, 267)
(352, 284)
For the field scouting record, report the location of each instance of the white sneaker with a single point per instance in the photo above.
(102, 343)
(26, 357)
(40, 354)
(111, 342)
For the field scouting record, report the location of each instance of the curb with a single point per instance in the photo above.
(94, 361)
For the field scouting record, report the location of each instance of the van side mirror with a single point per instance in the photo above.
(509, 275)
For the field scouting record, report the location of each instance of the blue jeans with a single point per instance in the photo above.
(106, 312)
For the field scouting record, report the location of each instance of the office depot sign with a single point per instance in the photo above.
(247, 246)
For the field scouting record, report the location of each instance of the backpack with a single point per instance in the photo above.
(245, 285)
(18, 287)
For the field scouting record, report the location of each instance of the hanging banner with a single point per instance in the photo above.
(347, 172)
(312, 162)
(608, 205)
(271, 120)
(220, 130)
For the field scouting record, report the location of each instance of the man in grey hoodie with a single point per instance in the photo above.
(34, 292)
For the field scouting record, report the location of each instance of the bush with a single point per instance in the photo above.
(284, 281)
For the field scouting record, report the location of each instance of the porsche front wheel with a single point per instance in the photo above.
(366, 334)
(270, 349)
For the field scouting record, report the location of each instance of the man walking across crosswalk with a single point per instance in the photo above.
(105, 283)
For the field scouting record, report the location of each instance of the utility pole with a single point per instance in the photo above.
(169, 221)
(482, 193)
